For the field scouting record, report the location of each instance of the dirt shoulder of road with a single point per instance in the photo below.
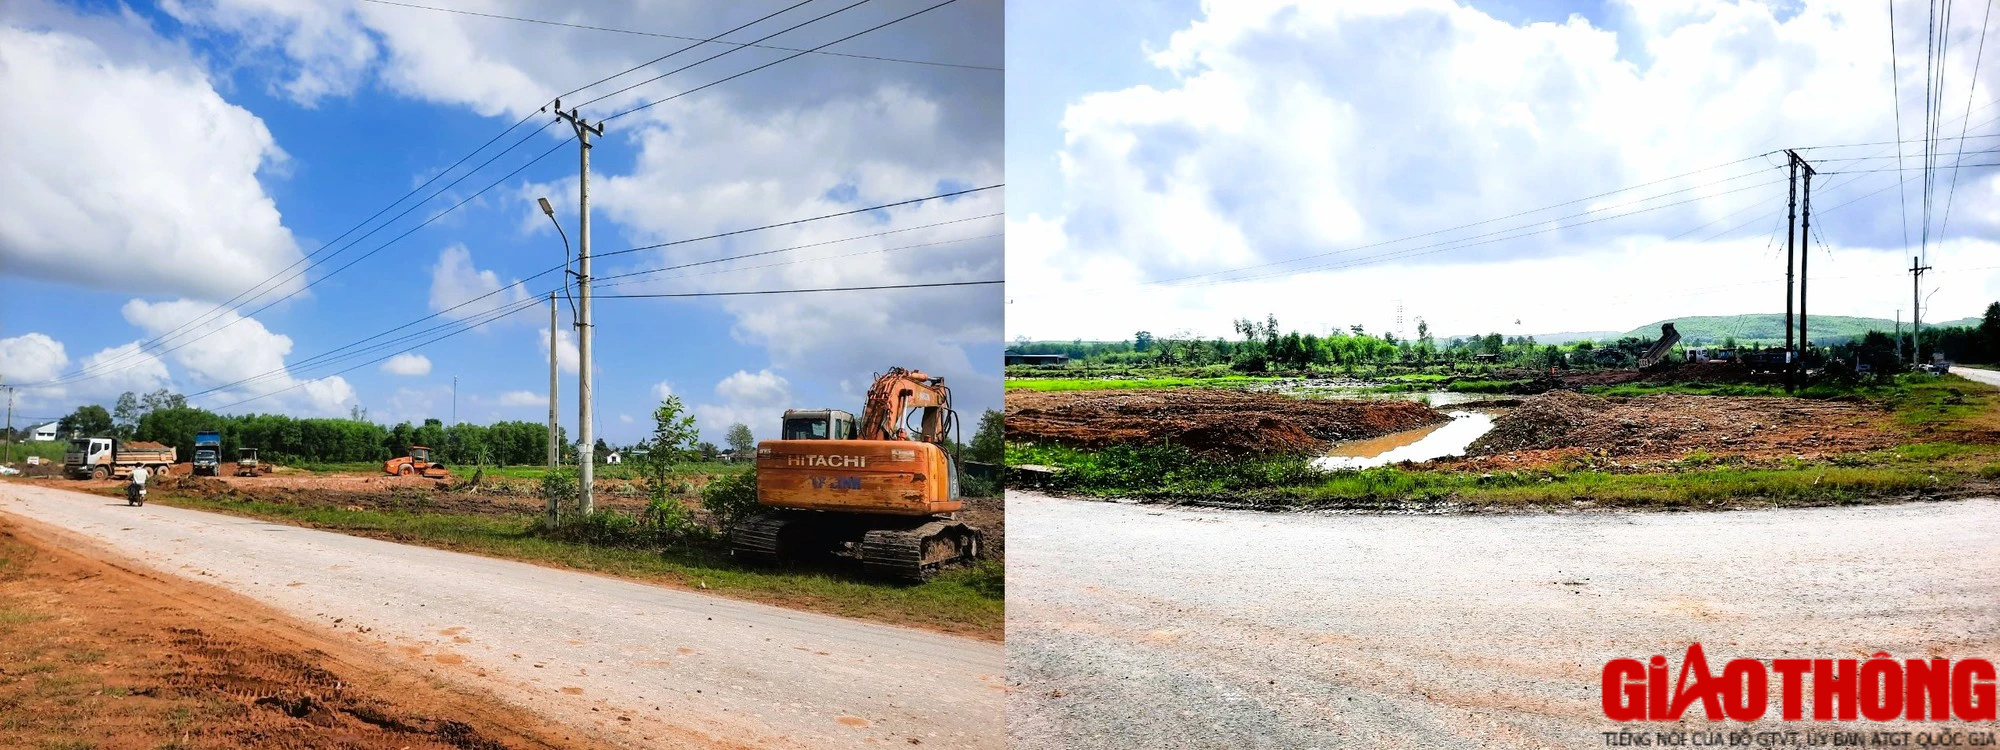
(97, 652)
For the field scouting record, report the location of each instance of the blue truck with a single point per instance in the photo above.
(207, 452)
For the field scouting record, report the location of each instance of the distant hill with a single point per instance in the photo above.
(1769, 327)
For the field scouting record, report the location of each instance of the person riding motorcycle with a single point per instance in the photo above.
(135, 490)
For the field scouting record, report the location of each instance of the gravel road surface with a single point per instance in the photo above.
(1133, 626)
(641, 666)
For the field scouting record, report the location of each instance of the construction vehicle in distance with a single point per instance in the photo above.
(207, 452)
(1658, 351)
(111, 458)
(877, 490)
(418, 462)
(247, 464)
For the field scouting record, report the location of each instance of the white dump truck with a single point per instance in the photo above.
(110, 458)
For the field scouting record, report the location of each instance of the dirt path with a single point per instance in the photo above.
(1251, 630)
(97, 653)
(646, 666)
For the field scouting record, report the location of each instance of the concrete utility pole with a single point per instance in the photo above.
(1791, 262)
(1899, 334)
(585, 461)
(1805, 259)
(10, 426)
(555, 452)
(1916, 312)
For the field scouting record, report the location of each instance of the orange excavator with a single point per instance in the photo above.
(418, 462)
(882, 490)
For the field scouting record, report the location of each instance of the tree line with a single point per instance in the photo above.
(1264, 346)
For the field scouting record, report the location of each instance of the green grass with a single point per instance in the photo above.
(964, 601)
(1105, 384)
(51, 451)
(465, 471)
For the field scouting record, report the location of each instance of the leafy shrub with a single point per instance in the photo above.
(731, 498)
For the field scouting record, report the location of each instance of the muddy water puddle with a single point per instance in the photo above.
(1437, 441)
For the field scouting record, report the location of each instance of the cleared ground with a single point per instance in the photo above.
(1133, 626)
(1205, 420)
(643, 665)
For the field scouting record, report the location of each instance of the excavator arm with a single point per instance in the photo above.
(892, 397)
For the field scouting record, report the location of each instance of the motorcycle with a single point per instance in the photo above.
(135, 494)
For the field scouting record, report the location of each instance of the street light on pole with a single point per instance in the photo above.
(555, 443)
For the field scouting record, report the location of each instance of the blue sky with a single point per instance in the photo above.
(232, 137)
(1175, 166)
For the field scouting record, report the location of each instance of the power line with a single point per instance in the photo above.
(322, 358)
(1970, 88)
(615, 30)
(792, 56)
(534, 302)
(131, 358)
(929, 285)
(1463, 242)
(1896, 106)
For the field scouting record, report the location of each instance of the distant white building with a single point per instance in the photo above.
(42, 433)
(614, 458)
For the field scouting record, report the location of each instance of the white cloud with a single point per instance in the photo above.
(407, 364)
(240, 356)
(120, 369)
(456, 284)
(566, 353)
(625, 419)
(31, 358)
(1298, 129)
(757, 399)
(149, 183)
(770, 147)
(662, 390)
(522, 398)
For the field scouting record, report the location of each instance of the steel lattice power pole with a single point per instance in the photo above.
(1791, 262)
(585, 445)
(1805, 259)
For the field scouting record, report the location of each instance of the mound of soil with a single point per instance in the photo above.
(1207, 420)
(1670, 426)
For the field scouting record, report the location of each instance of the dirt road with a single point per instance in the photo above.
(1989, 377)
(646, 666)
(1132, 626)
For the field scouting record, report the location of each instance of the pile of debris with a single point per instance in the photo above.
(1672, 426)
(1206, 420)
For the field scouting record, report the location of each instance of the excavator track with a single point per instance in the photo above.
(916, 554)
(757, 539)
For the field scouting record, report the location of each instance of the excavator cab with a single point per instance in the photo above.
(817, 424)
